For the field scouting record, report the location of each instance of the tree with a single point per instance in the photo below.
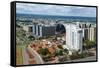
(18, 25)
(66, 51)
(89, 43)
(31, 37)
(43, 51)
(58, 53)
(60, 46)
(64, 42)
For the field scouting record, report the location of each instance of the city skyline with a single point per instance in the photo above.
(55, 10)
(51, 33)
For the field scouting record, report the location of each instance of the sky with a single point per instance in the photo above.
(44, 9)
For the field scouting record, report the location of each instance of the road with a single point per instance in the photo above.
(92, 58)
(37, 57)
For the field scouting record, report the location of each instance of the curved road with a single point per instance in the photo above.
(37, 57)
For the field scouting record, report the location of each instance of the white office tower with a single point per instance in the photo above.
(74, 36)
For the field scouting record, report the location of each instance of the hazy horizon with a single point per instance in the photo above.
(55, 10)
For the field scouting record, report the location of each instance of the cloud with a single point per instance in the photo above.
(55, 10)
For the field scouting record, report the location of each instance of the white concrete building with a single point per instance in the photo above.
(28, 28)
(74, 36)
(92, 34)
(89, 31)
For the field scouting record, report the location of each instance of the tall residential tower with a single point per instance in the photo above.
(74, 37)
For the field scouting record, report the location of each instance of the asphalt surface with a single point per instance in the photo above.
(37, 57)
(92, 58)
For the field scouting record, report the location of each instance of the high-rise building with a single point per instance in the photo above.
(84, 25)
(89, 31)
(92, 34)
(74, 37)
(44, 30)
